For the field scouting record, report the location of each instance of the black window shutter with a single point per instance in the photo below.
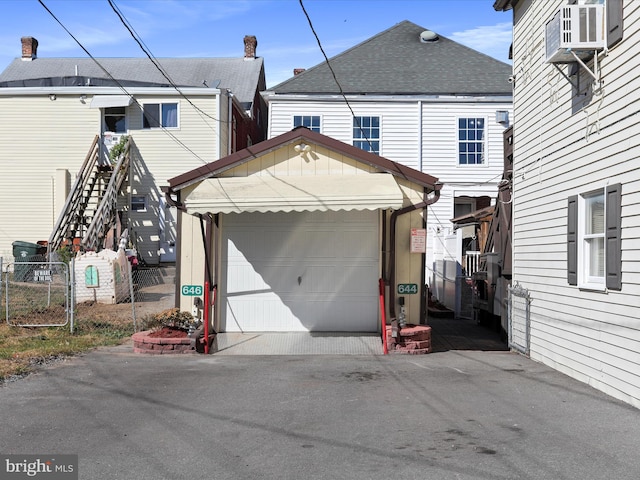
(614, 22)
(613, 233)
(572, 240)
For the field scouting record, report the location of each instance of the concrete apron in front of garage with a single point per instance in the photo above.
(297, 343)
(446, 334)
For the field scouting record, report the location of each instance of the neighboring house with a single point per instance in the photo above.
(298, 231)
(418, 99)
(51, 109)
(576, 203)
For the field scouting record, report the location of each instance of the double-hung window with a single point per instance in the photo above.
(312, 122)
(366, 133)
(471, 141)
(593, 239)
(160, 115)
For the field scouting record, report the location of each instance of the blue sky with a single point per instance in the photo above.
(215, 28)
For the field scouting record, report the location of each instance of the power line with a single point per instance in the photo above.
(136, 36)
(335, 78)
(177, 140)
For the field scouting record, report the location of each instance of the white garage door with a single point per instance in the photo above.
(300, 271)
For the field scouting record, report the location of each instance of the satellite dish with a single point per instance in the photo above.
(428, 36)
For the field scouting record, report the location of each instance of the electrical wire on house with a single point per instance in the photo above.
(335, 78)
(124, 90)
(157, 64)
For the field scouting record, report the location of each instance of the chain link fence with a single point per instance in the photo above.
(519, 302)
(100, 293)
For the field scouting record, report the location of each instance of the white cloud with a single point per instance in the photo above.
(494, 40)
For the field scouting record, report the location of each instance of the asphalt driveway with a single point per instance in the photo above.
(447, 415)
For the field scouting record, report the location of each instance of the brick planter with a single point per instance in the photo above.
(143, 343)
(411, 340)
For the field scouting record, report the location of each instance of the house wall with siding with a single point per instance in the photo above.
(569, 141)
(42, 138)
(39, 137)
(162, 154)
(419, 133)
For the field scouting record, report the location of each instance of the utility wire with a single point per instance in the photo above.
(155, 61)
(177, 140)
(335, 78)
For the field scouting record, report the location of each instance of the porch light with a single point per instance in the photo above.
(52, 96)
(302, 148)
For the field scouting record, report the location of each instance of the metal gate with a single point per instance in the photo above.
(37, 294)
(519, 318)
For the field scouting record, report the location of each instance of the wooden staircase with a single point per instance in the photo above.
(90, 211)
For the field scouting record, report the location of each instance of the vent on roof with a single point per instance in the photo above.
(428, 36)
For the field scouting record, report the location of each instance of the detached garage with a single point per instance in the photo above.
(296, 232)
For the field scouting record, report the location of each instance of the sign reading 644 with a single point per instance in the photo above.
(407, 288)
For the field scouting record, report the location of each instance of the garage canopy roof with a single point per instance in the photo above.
(296, 193)
(106, 101)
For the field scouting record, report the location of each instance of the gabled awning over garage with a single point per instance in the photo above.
(107, 101)
(263, 193)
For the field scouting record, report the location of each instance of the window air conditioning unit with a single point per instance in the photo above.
(574, 28)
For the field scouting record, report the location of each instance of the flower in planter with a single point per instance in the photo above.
(172, 318)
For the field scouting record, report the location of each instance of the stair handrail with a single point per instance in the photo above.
(72, 202)
(105, 213)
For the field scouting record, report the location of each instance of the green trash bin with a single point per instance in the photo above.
(24, 252)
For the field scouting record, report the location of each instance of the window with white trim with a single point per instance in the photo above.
(591, 233)
(594, 239)
(366, 133)
(160, 115)
(471, 141)
(312, 122)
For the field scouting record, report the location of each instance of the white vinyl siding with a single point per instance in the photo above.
(567, 145)
(37, 153)
(400, 132)
(167, 155)
(420, 134)
(34, 151)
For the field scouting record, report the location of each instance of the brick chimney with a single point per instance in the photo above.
(29, 48)
(298, 71)
(250, 44)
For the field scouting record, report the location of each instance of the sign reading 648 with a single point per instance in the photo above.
(192, 290)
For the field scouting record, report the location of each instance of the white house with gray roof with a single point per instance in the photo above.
(419, 99)
(191, 113)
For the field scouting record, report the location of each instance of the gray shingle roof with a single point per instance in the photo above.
(240, 76)
(397, 62)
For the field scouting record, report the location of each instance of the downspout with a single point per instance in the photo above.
(206, 242)
(392, 250)
(420, 129)
(229, 125)
(181, 210)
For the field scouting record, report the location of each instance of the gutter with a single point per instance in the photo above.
(392, 250)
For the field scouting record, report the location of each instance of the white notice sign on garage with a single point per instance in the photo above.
(418, 240)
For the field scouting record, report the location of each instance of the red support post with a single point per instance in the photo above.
(383, 318)
(206, 317)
